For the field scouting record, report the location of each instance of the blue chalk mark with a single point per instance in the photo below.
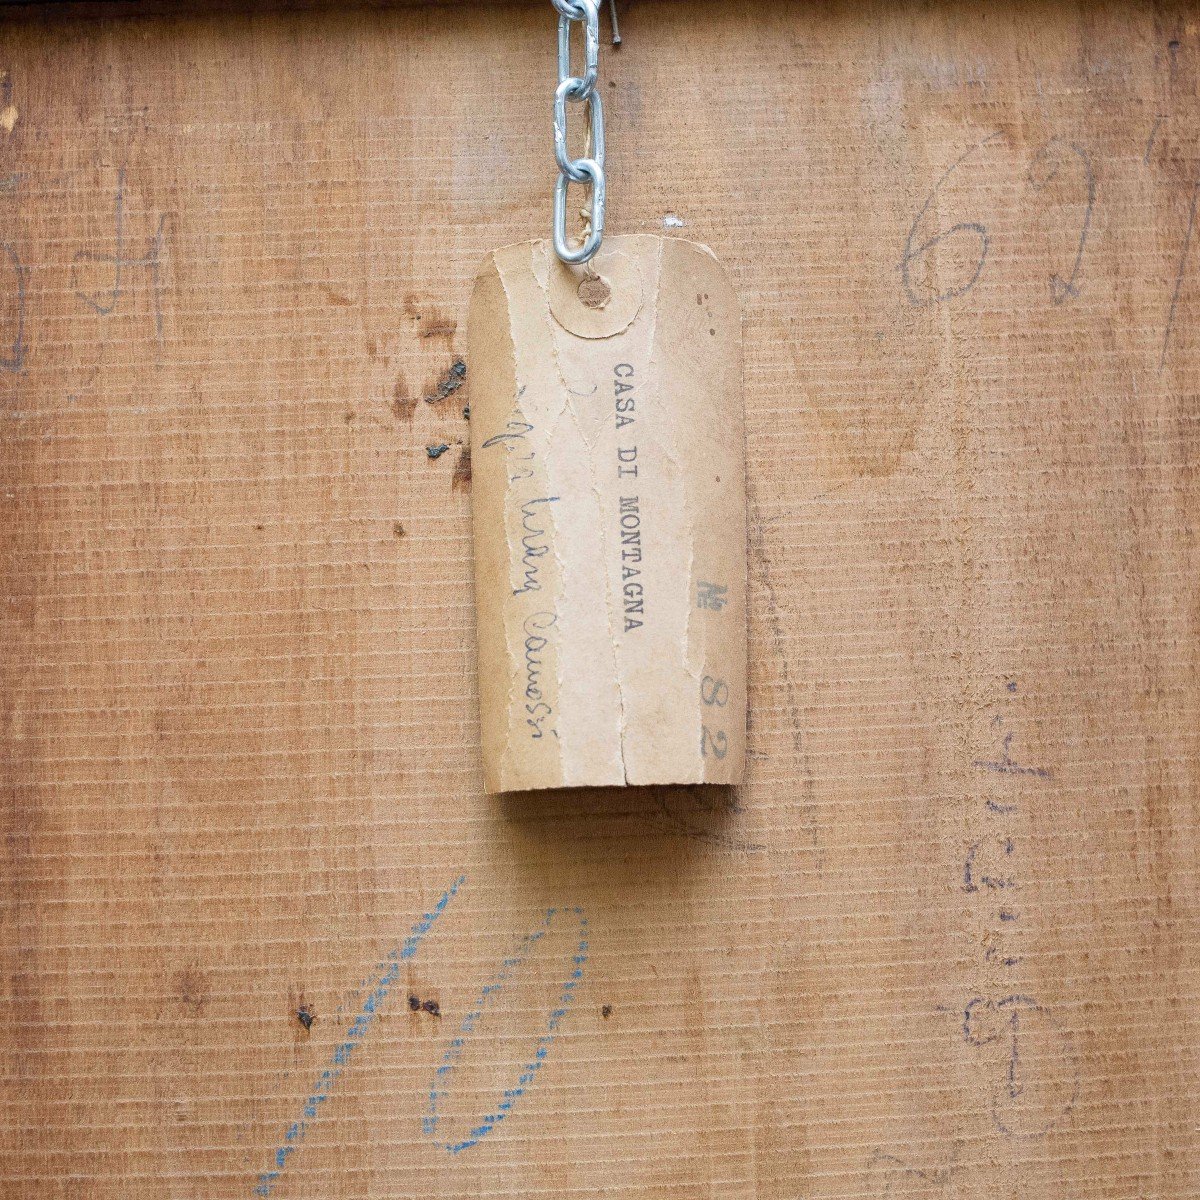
(508, 968)
(388, 972)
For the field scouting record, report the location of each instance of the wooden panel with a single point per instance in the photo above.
(942, 944)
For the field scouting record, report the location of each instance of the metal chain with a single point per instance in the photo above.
(589, 170)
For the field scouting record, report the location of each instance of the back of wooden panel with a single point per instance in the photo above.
(261, 930)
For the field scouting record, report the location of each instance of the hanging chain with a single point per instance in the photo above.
(589, 170)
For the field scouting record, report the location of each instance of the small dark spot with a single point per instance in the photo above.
(439, 327)
(606, 1011)
(461, 481)
(699, 298)
(347, 417)
(454, 377)
(260, 528)
(193, 989)
(398, 530)
(414, 1003)
(1173, 45)
(304, 1016)
(337, 298)
(432, 1007)
(713, 332)
(1011, 685)
(466, 412)
(436, 450)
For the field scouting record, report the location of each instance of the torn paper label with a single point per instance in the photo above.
(609, 511)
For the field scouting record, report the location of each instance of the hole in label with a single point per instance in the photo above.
(594, 291)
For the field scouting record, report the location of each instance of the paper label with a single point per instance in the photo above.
(609, 509)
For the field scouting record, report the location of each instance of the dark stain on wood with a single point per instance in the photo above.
(461, 480)
(430, 322)
(193, 989)
(403, 405)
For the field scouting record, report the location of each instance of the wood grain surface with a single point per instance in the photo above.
(262, 933)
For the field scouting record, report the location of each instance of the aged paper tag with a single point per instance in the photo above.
(609, 510)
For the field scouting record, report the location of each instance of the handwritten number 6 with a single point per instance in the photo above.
(717, 742)
(915, 248)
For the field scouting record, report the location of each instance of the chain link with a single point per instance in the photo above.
(589, 169)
